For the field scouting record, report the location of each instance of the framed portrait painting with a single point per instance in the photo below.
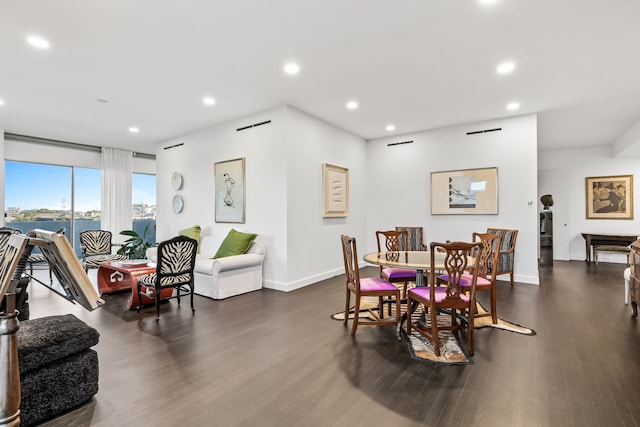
(230, 191)
(465, 192)
(609, 197)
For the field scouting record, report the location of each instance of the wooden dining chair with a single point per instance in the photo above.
(450, 296)
(391, 241)
(365, 287)
(486, 255)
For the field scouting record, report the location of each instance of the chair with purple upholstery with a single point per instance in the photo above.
(487, 255)
(365, 287)
(393, 241)
(450, 297)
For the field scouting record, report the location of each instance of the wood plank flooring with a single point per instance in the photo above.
(277, 359)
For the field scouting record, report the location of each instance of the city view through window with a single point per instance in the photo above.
(48, 197)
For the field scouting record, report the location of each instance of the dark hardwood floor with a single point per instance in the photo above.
(277, 359)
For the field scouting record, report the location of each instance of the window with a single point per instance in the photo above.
(143, 200)
(49, 196)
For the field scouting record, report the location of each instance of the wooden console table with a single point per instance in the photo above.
(595, 239)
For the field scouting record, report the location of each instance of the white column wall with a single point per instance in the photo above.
(314, 251)
(284, 190)
(398, 190)
(264, 150)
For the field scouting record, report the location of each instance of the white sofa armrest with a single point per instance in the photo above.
(236, 262)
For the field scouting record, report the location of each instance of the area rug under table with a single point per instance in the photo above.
(452, 352)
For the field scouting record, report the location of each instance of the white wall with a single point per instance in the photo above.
(265, 182)
(310, 143)
(398, 188)
(563, 174)
(283, 189)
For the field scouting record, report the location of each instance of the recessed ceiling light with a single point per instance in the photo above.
(352, 105)
(207, 100)
(38, 42)
(1, 102)
(391, 128)
(291, 68)
(513, 106)
(487, 1)
(134, 129)
(506, 67)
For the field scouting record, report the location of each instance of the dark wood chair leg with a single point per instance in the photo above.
(139, 287)
(356, 314)
(346, 308)
(157, 299)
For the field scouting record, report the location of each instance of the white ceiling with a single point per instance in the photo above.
(420, 64)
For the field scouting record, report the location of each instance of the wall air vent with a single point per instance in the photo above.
(483, 131)
(399, 143)
(174, 146)
(253, 125)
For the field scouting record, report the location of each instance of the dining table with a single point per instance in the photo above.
(420, 261)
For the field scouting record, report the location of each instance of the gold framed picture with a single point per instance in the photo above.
(609, 197)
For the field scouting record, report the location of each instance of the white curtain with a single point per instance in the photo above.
(117, 168)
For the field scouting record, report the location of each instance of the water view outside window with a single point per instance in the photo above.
(41, 196)
(143, 199)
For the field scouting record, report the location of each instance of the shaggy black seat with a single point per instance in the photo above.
(58, 369)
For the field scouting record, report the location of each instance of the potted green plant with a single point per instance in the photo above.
(135, 247)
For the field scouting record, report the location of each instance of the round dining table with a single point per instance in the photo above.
(412, 260)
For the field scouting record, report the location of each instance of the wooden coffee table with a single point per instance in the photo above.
(121, 276)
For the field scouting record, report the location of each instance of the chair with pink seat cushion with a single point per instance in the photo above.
(366, 287)
(487, 255)
(450, 296)
(393, 241)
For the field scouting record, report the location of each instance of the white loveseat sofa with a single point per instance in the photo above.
(225, 277)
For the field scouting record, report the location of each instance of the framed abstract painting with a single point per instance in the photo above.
(465, 192)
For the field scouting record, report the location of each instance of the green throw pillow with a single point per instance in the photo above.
(236, 243)
(193, 232)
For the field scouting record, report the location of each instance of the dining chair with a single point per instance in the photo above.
(450, 297)
(487, 255)
(415, 239)
(174, 269)
(96, 248)
(506, 259)
(390, 241)
(365, 287)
